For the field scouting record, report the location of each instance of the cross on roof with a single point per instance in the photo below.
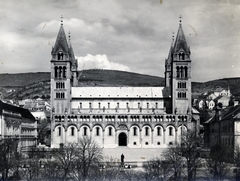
(180, 19)
(61, 19)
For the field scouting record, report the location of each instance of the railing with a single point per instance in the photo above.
(123, 118)
(119, 111)
(28, 125)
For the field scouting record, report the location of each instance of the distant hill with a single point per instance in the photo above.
(117, 78)
(33, 85)
(23, 79)
(232, 83)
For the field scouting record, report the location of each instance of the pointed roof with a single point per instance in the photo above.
(61, 41)
(168, 60)
(180, 42)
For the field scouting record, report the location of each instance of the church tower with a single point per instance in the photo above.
(178, 74)
(63, 74)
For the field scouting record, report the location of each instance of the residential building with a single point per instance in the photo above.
(224, 129)
(18, 124)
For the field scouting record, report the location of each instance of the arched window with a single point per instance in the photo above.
(179, 94)
(186, 72)
(179, 84)
(97, 131)
(56, 72)
(181, 56)
(60, 72)
(178, 72)
(59, 131)
(134, 131)
(184, 85)
(147, 131)
(110, 131)
(60, 56)
(84, 131)
(62, 95)
(72, 131)
(64, 72)
(181, 72)
(159, 131)
(170, 131)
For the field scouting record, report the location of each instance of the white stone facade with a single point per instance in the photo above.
(136, 117)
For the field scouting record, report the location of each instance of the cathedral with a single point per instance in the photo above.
(135, 117)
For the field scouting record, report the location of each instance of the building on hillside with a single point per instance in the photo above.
(18, 124)
(211, 104)
(137, 117)
(223, 129)
(35, 104)
(220, 95)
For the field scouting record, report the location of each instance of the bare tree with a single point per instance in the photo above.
(51, 170)
(88, 157)
(216, 163)
(190, 150)
(157, 169)
(66, 157)
(173, 159)
(43, 126)
(9, 156)
(237, 161)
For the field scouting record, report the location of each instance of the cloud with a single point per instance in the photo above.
(136, 37)
(99, 62)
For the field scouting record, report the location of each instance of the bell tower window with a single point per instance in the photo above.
(178, 72)
(60, 55)
(186, 72)
(181, 56)
(56, 72)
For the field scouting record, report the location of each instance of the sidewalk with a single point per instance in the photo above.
(132, 154)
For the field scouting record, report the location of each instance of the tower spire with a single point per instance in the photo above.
(180, 20)
(180, 42)
(172, 37)
(61, 19)
(69, 36)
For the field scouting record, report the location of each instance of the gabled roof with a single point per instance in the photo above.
(210, 120)
(180, 42)
(222, 97)
(232, 113)
(61, 42)
(25, 113)
(195, 111)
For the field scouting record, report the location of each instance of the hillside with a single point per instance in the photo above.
(117, 78)
(22, 79)
(33, 85)
(232, 83)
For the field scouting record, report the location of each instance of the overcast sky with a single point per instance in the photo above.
(130, 35)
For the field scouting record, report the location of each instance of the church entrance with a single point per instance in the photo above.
(122, 139)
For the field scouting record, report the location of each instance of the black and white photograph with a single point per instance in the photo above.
(138, 90)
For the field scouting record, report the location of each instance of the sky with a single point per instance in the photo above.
(129, 35)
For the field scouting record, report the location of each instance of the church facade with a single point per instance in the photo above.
(137, 117)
